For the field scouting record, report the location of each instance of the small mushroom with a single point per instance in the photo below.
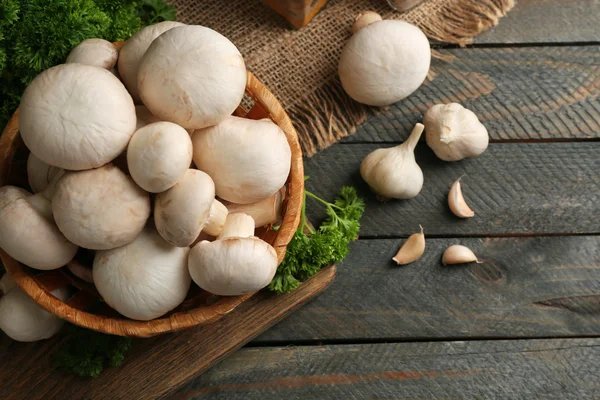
(144, 279)
(158, 155)
(96, 52)
(236, 263)
(40, 174)
(193, 76)
(28, 232)
(264, 212)
(134, 49)
(183, 211)
(23, 320)
(248, 160)
(7, 283)
(76, 117)
(100, 209)
(384, 61)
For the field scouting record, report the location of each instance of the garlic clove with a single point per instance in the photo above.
(393, 173)
(412, 249)
(454, 132)
(458, 254)
(457, 203)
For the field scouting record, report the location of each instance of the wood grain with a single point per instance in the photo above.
(516, 370)
(532, 93)
(154, 367)
(516, 188)
(525, 287)
(546, 21)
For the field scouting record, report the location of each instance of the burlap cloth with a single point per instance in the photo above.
(300, 66)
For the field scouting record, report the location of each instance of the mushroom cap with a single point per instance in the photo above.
(181, 212)
(134, 49)
(27, 235)
(100, 208)
(96, 52)
(76, 116)
(248, 160)
(40, 174)
(22, 319)
(384, 62)
(233, 266)
(158, 155)
(193, 76)
(144, 279)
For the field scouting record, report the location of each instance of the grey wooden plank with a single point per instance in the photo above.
(532, 369)
(547, 21)
(514, 188)
(525, 287)
(527, 93)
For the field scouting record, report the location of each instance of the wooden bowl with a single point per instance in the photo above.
(85, 308)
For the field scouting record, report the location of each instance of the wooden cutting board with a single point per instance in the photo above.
(153, 367)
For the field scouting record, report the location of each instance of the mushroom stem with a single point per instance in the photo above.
(216, 219)
(42, 205)
(6, 283)
(365, 18)
(264, 212)
(48, 192)
(238, 225)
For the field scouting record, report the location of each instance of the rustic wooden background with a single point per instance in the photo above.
(524, 324)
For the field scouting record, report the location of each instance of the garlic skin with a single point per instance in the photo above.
(393, 173)
(454, 132)
(412, 249)
(457, 203)
(458, 254)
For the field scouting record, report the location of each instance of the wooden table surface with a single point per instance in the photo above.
(524, 324)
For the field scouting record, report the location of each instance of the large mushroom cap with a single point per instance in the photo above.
(193, 76)
(22, 319)
(181, 212)
(233, 266)
(96, 52)
(384, 62)
(76, 116)
(101, 208)
(134, 49)
(248, 160)
(158, 155)
(144, 279)
(28, 234)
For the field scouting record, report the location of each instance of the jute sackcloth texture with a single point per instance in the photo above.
(300, 66)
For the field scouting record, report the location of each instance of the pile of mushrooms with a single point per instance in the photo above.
(135, 155)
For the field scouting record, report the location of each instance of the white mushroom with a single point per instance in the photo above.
(96, 52)
(144, 279)
(158, 155)
(28, 232)
(183, 211)
(134, 49)
(76, 116)
(193, 76)
(40, 174)
(248, 160)
(264, 212)
(236, 263)
(384, 61)
(100, 208)
(22, 319)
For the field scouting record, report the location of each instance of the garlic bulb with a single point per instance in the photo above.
(454, 133)
(393, 172)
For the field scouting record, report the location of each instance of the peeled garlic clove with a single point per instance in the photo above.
(412, 249)
(393, 173)
(458, 254)
(457, 203)
(454, 133)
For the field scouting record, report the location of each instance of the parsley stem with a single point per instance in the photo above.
(315, 197)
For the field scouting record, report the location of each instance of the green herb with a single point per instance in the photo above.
(310, 249)
(87, 353)
(38, 34)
